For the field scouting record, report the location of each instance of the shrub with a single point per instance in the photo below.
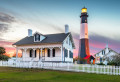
(4, 57)
(112, 63)
(101, 64)
(82, 61)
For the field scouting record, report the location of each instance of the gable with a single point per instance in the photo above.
(111, 54)
(105, 51)
(68, 42)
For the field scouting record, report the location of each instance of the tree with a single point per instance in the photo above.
(2, 51)
(2, 56)
(114, 60)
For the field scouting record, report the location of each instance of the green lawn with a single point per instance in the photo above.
(9, 74)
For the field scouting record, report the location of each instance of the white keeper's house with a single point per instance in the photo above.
(46, 48)
(105, 53)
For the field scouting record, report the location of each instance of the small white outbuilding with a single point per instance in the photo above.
(101, 57)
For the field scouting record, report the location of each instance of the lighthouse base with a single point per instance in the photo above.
(83, 56)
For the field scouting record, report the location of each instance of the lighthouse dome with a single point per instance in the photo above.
(84, 10)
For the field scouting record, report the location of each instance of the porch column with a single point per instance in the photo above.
(22, 53)
(41, 53)
(51, 52)
(16, 53)
(62, 54)
(33, 53)
(25, 53)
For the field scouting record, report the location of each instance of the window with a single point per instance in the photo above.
(100, 60)
(71, 54)
(37, 37)
(53, 52)
(103, 52)
(66, 52)
(48, 52)
(35, 53)
(31, 51)
(67, 40)
(109, 50)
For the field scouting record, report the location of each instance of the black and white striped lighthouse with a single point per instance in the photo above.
(84, 53)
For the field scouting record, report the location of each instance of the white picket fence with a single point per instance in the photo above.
(99, 69)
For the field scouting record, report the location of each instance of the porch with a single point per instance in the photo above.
(37, 53)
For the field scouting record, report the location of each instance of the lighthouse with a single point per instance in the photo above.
(84, 54)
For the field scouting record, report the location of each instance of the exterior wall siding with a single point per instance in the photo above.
(57, 55)
(67, 44)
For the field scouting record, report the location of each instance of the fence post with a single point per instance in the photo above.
(107, 69)
(119, 70)
(97, 69)
(16, 63)
(88, 68)
(100, 69)
(83, 69)
(111, 70)
(92, 68)
(104, 69)
(68, 66)
(77, 67)
(114, 70)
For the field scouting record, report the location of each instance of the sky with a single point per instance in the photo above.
(50, 16)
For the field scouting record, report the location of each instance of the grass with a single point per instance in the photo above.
(9, 74)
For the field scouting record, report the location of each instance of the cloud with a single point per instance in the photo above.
(5, 22)
(3, 28)
(97, 39)
(6, 18)
(97, 43)
(55, 27)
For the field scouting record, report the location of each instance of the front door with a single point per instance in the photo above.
(43, 54)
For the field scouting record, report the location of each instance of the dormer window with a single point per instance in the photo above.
(37, 37)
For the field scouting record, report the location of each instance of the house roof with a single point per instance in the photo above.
(108, 54)
(50, 38)
(104, 49)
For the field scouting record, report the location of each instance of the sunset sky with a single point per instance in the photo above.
(50, 16)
